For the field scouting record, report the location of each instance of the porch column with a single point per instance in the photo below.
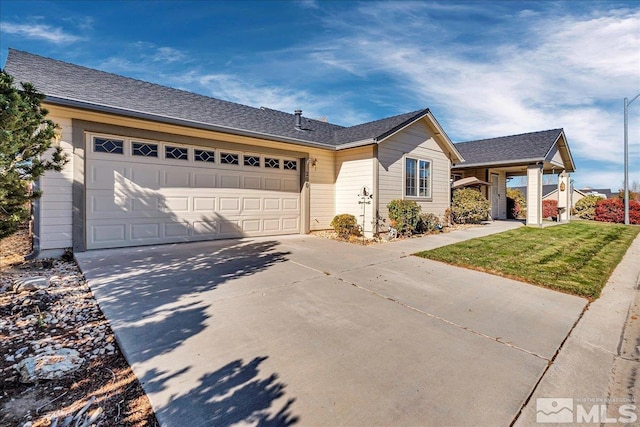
(564, 197)
(534, 195)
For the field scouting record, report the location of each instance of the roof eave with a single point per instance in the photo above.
(74, 103)
(355, 144)
(497, 165)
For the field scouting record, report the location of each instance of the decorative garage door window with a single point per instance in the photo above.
(204, 156)
(145, 191)
(271, 163)
(178, 153)
(229, 159)
(252, 161)
(144, 149)
(112, 146)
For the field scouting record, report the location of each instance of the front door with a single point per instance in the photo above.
(495, 196)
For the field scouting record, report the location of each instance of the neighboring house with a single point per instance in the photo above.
(151, 164)
(605, 193)
(531, 154)
(552, 192)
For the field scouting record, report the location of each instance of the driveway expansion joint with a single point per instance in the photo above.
(449, 322)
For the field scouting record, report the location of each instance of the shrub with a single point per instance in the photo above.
(428, 223)
(586, 207)
(549, 209)
(516, 204)
(609, 210)
(612, 210)
(345, 225)
(469, 206)
(404, 215)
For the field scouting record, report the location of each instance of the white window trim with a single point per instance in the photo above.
(417, 197)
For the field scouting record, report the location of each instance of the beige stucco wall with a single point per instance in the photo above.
(56, 203)
(354, 169)
(415, 141)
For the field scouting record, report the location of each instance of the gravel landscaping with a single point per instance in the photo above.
(59, 360)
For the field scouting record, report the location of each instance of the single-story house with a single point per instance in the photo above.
(151, 164)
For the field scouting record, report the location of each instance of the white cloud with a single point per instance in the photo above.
(168, 54)
(547, 71)
(240, 90)
(39, 31)
(308, 4)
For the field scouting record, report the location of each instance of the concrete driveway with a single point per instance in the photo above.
(311, 331)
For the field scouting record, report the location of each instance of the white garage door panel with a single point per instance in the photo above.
(133, 200)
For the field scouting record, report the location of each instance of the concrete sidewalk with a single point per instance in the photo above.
(600, 361)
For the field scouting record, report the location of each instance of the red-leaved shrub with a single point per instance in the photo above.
(612, 210)
(549, 208)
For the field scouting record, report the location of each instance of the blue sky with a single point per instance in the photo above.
(484, 69)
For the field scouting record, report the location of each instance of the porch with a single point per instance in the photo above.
(530, 155)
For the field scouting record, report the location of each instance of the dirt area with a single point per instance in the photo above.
(64, 315)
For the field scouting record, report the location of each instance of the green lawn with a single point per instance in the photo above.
(575, 258)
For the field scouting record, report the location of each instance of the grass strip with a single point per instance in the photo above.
(575, 258)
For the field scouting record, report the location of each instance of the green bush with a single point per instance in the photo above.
(469, 206)
(345, 225)
(428, 223)
(404, 215)
(586, 207)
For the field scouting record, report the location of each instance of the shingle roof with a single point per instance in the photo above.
(83, 87)
(509, 149)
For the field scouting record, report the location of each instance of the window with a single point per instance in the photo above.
(229, 159)
(252, 161)
(112, 146)
(290, 165)
(417, 176)
(271, 163)
(145, 150)
(204, 156)
(176, 153)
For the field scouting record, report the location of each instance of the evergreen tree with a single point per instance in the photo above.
(25, 150)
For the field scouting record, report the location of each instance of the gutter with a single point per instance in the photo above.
(356, 144)
(496, 165)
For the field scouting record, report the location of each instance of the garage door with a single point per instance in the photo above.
(142, 192)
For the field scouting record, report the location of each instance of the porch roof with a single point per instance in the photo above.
(547, 147)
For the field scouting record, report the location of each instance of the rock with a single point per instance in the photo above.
(49, 366)
(109, 347)
(21, 350)
(30, 284)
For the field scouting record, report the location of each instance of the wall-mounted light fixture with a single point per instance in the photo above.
(313, 162)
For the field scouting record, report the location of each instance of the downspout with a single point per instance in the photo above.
(376, 210)
(35, 237)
